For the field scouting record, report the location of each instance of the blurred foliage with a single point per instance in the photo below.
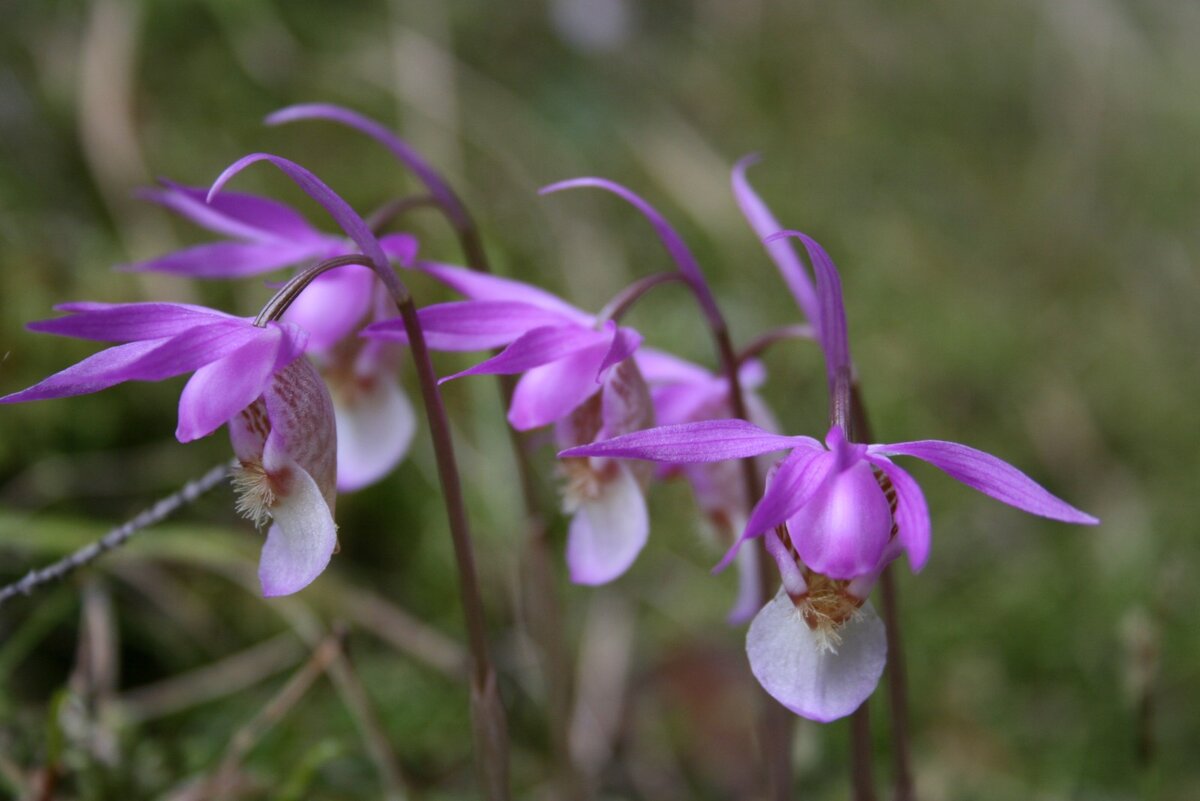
(1011, 190)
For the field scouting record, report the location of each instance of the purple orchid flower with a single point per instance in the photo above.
(833, 517)
(578, 376)
(253, 378)
(375, 419)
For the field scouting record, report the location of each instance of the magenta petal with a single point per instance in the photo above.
(231, 259)
(548, 393)
(220, 390)
(989, 475)
(541, 346)
(471, 324)
(193, 349)
(127, 322)
(796, 481)
(624, 342)
(333, 305)
(912, 513)
(401, 248)
(233, 214)
(843, 529)
(345, 216)
(484, 286)
(693, 443)
(831, 314)
(99, 371)
(764, 224)
(799, 671)
(659, 367)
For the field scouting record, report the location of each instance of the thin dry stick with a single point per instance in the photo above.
(370, 729)
(540, 596)
(219, 679)
(118, 536)
(897, 679)
(248, 736)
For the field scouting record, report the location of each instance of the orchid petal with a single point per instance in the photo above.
(798, 671)
(608, 532)
(345, 216)
(624, 342)
(221, 389)
(660, 367)
(989, 475)
(911, 515)
(541, 346)
(843, 529)
(796, 481)
(691, 443)
(98, 371)
(831, 315)
(401, 248)
(301, 541)
(550, 392)
(749, 587)
(795, 275)
(333, 305)
(470, 324)
(375, 427)
(127, 322)
(485, 286)
(234, 214)
(231, 259)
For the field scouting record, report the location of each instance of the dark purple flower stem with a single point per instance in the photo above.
(487, 712)
(541, 600)
(759, 345)
(897, 678)
(861, 777)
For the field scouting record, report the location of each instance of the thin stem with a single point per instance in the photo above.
(287, 294)
(624, 300)
(860, 754)
(760, 344)
(488, 714)
(118, 536)
(542, 592)
(897, 679)
(390, 211)
(491, 728)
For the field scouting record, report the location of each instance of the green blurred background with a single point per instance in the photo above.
(1011, 191)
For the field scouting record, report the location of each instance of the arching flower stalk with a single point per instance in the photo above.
(834, 516)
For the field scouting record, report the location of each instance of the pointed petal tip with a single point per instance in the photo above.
(746, 162)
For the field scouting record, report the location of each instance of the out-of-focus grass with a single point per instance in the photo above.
(1011, 190)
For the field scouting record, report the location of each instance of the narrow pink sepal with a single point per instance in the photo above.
(230, 259)
(484, 286)
(221, 389)
(234, 214)
(126, 322)
(756, 212)
(548, 393)
(692, 443)
(989, 475)
(540, 346)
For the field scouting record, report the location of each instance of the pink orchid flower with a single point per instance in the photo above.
(375, 419)
(834, 516)
(253, 378)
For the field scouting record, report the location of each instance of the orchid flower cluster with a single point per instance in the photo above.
(311, 395)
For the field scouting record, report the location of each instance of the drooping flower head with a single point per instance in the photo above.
(265, 235)
(253, 378)
(834, 516)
